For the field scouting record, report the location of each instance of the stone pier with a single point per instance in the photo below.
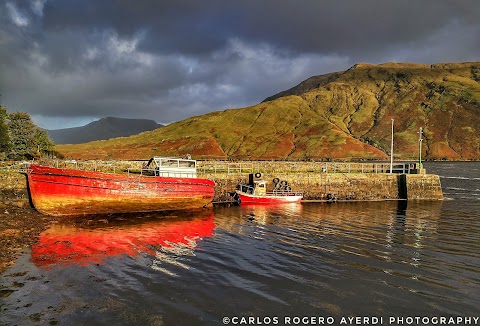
(342, 186)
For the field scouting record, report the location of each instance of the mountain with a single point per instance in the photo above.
(343, 115)
(104, 128)
(307, 85)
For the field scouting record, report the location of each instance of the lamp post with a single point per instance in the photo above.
(391, 151)
(420, 148)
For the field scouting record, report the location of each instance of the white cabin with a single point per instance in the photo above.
(173, 167)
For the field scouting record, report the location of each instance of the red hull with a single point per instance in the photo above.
(68, 244)
(74, 192)
(269, 199)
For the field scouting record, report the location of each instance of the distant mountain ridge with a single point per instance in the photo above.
(344, 115)
(103, 129)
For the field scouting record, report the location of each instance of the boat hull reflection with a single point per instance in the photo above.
(85, 242)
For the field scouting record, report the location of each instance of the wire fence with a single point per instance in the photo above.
(216, 167)
(20, 167)
(209, 167)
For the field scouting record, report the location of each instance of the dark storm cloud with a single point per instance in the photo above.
(167, 60)
(197, 27)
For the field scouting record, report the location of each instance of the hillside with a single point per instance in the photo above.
(344, 115)
(104, 128)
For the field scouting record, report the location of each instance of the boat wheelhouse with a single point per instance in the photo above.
(255, 192)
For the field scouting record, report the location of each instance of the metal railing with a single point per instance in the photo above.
(225, 167)
(21, 167)
(214, 167)
(98, 166)
(211, 167)
(160, 173)
(249, 189)
(136, 168)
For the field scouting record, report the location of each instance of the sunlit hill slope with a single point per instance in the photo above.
(343, 115)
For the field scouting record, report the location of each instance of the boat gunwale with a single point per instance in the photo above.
(114, 177)
(271, 194)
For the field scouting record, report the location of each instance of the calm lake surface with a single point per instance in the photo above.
(376, 259)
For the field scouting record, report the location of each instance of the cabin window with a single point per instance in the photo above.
(260, 189)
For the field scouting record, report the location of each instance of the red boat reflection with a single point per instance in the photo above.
(84, 245)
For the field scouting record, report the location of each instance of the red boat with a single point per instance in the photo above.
(81, 244)
(256, 193)
(167, 184)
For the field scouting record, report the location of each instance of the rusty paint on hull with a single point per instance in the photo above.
(74, 192)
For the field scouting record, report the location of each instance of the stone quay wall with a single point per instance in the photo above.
(341, 186)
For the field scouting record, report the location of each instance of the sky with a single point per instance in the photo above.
(69, 62)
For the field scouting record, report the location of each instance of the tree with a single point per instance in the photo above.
(4, 135)
(22, 135)
(44, 143)
(26, 139)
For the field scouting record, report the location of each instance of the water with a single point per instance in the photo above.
(381, 259)
(460, 181)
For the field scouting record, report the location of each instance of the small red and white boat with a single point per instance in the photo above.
(167, 184)
(256, 193)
